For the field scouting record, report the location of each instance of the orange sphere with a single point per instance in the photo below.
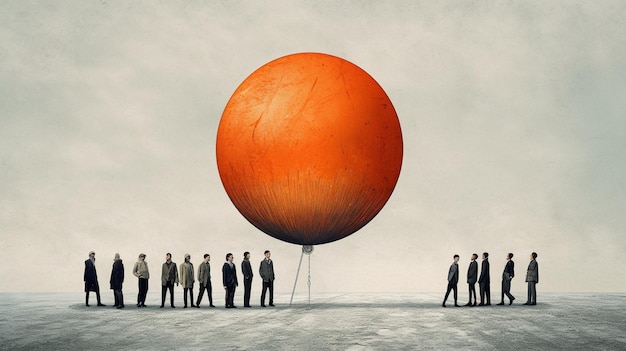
(309, 148)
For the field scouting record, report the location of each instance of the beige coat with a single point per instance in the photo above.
(186, 275)
(141, 270)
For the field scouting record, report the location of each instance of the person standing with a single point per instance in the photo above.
(246, 270)
(90, 277)
(507, 276)
(453, 280)
(140, 270)
(204, 278)
(117, 278)
(229, 278)
(266, 270)
(169, 276)
(187, 279)
(472, 277)
(532, 278)
(484, 282)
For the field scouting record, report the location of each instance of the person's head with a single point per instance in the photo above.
(142, 256)
(533, 255)
(474, 257)
(116, 257)
(509, 256)
(207, 257)
(168, 256)
(187, 257)
(229, 257)
(456, 258)
(92, 255)
(267, 254)
(246, 255)
(485, 255)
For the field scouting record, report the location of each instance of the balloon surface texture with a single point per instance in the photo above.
(309, 148)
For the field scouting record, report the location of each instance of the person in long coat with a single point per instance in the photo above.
(117, 278)
(532, 278)
(484, 282)
(90, 278)
(187, 279)
(507, 276)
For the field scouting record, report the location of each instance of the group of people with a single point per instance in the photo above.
(532, 278)
(170, 275)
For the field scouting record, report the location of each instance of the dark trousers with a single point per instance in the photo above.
(451, 286)
(472, 291)
(143, 291)
(506, 290)
(230, 295)
(485, 293)
(532, 293)
(164, 288)
(209, 292)
(97, 297)
(247, 288)
(267, 285)
(119, 298)
(190, 296)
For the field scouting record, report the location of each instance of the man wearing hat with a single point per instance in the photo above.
(141, 271)
(91, 278)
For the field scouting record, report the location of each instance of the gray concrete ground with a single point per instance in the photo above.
(408, 321)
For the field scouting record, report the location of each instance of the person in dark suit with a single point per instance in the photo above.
(532, 278)
(266, 271)
(507, 276)
(229, 278)
(91, 279)
(117, 278)
(472, 277)
(453, 280)
(484, 282)
(246, 270)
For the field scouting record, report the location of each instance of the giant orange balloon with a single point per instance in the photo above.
(309, 148)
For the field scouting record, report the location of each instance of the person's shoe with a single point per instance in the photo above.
(511, 302)
(474, 305)
(138, 305)
(272, 304)
(143, 305)
(161, 306)
(101, 304)
(233, 306)
(480, 304)
(443, 305)
(263, 306)
(247, 306)
(533, 304)
(468, 304)
(120, 306)
(501, 303)
(489, 304)
(185, 306)
(212, 305)
(527, 303)
(173, 306)
(87, 304)
(455, 305)
(196, 306)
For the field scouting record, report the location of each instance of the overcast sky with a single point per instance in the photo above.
(513, 117)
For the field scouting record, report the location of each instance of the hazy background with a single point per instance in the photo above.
(513, 116)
